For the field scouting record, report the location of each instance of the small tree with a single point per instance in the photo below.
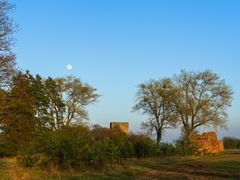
(201, 100)
(154, 98)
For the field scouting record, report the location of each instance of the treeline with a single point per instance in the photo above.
(231, 143)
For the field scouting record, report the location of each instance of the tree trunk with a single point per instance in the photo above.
(159, 136)
(188, 134)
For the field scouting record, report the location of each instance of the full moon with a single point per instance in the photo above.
(69, 67)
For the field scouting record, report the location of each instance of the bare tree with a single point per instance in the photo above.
(154, 98)
(201, 100)
(7, 28)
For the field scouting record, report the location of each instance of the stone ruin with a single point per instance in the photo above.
(123, 126)
(208, 143)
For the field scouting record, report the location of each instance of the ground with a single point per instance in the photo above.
(223, 166)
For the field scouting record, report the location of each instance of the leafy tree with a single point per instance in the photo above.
(201, 100)
(68, 100)
(18, 116)
(7, 58)
(56, 106)
(154, 99)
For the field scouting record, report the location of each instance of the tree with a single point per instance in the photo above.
(154, 98)
(201, 100)
(68, 100)
(56, 106)
(7, 58)
(17, 115)
(41, 100)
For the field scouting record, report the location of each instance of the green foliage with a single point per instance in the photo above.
(79, 147)
(167, 149)
(144, 146)
(66, 146)
(179, 148)
(184, 148)
(231, 143)
(7, 148)
(18, 123)
(118, 138)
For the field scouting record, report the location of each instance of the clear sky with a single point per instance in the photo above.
(116, 44)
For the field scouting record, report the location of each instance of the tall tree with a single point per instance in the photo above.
(154, 98)
(7, 57)
(17, 120)
(201, 100)
(68, 100)
(56, 106)
(41, 100)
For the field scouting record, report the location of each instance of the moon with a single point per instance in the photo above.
(69, 67)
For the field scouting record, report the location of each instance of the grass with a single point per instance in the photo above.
(223, 166)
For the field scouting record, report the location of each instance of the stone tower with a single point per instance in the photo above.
(123, 126)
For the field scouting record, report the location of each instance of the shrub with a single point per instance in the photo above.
(66, 146)
(167, 149)
(117, 137)
(231, 143)
(184, 148)
(80, 147)
(144, 146)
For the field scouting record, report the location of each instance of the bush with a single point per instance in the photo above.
(184, 148)
(144, 146)
(107, 146)
(66, 146)
(231, 143)
(167, 149)
(80, 147)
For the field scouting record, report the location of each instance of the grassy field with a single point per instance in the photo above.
(223, 166)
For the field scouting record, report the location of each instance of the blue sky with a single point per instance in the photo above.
(115, 45)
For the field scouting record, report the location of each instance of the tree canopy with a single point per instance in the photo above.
(201, 100)
(192, 99)
(154, 98)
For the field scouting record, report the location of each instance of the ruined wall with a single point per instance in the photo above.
(208, 143)
(123, 126)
